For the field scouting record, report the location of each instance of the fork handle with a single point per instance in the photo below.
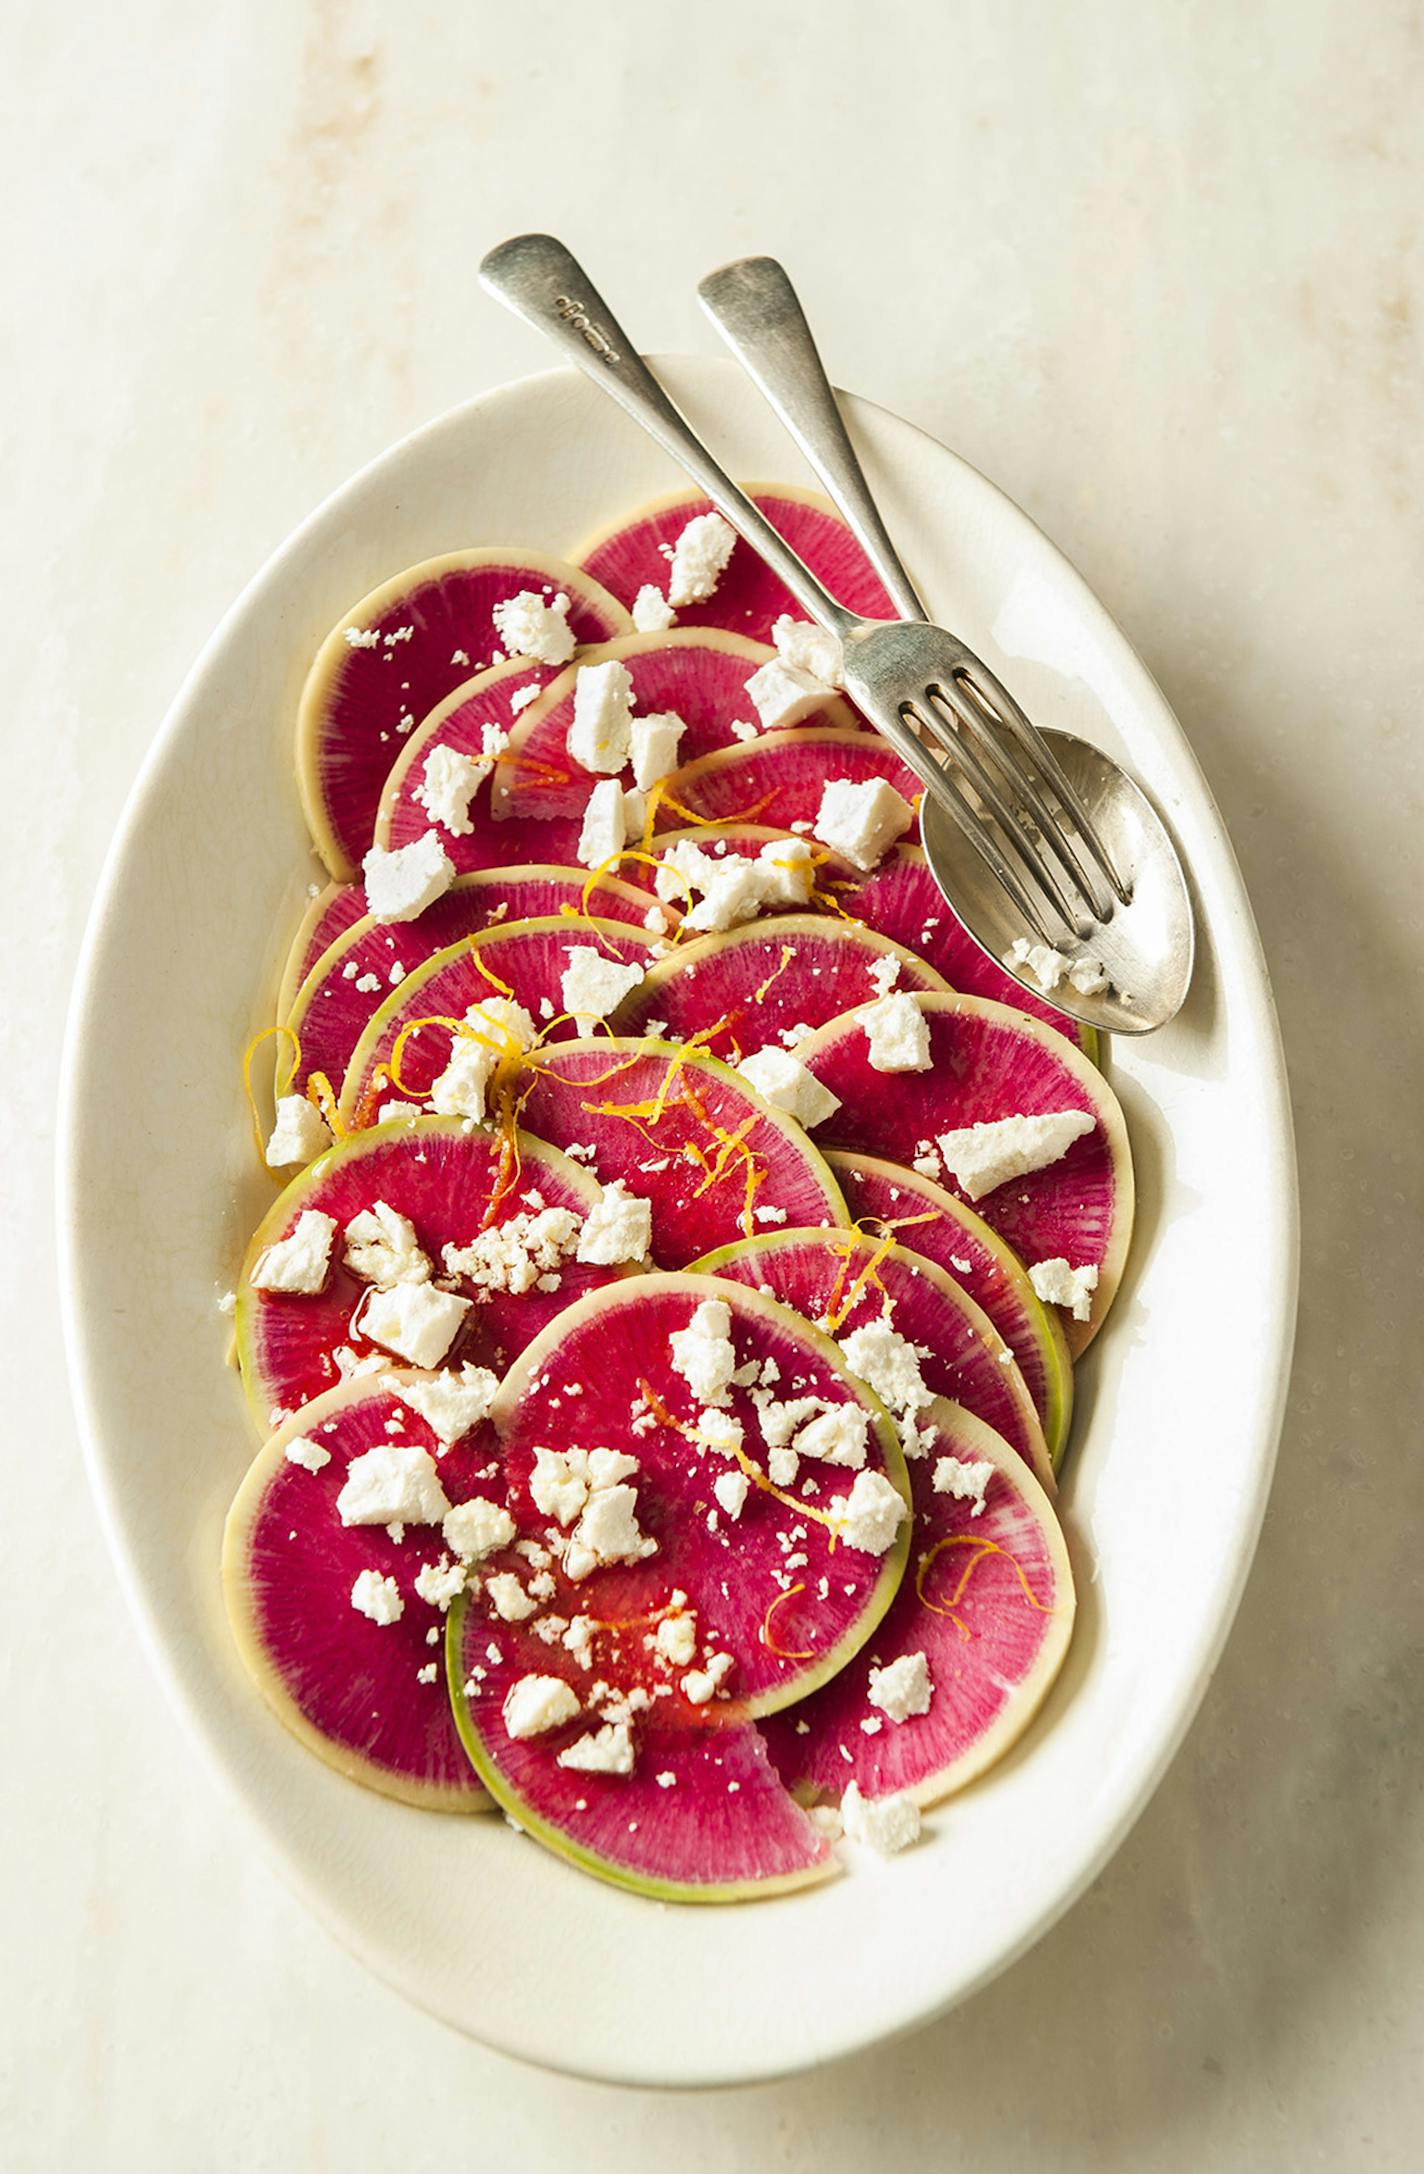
(758, 313)
(538, 278)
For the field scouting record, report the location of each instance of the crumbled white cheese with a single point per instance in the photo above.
(719, 1431)
(733, 891)
(499, 1030)
(600, 730)
(449, 780)
(782, 696)
(839, 1436)
(903, 1688)
(299, 1261)
(787, 872)
(635, 817)
(451, 1403)
(530, 625)
(652, 613)
(884, 973)
(508, 1598)
(604, 830)
(699, 559)
(382, 1247)
(785, 1084)
(401, 883)
(536, 1704)
(782, 1466)
(477, 1528)
(558, 1483)
(618, 1227)
(861, 819)
(393, 1483)
(300, 1134)
(608, 1750)
(438, 1584)
(607, 1532)
(1048, 968)
(415, 1321)
(880, 1355)
(982, 1156)
(869, 1517)
(886, 1824)
(523, 696)
(308, 1454)
(675, 1639)
(730, 1488)
(897, 1032)
(513, 1255)
(703, 1353)
(1058, 1284)
(808, 648)
(578, 1639)
(966, 1480)
(653, 742)
(377, 1597)
(702, 1684)
(593, 985)
(779, 1421)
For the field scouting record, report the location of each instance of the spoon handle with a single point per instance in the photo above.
(536, 277)
(758, 313)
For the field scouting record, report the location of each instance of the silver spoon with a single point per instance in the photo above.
(1092, 877)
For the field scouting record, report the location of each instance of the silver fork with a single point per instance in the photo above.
(1006, 792)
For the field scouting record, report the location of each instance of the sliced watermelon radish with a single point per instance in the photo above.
(889, 1200)
(368, 1697)
(987, 1603)
(902, 899)
(635, 552)
(659, 1656)
(604, 1375)
(332, 910)
(494, 702)
(522, 960)
(700, 676)
(686, 1134)
(451, 1184)
(779, 778)
(843, 1279)
(703, 1817)
(988, 1064)
(762, 982)
(393, 657)
(340, 995)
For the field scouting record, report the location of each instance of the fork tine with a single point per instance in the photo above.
(976, 726)
(943, 787)
(998, 706)
(962, 755)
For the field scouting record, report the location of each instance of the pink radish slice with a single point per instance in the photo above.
(988, 1600)
(902, 899)
(333, 909)
(369, 1698)
(336, 1002)
(764, 979)
(411, 642)
(780, 778)
(662, 1119)
(888, 1200)
(527, 959)
(602, 1377)
(701, 677)
(490, 703)
(452, 1184)
(988, 1063)
(636, 551)
(962, 1354)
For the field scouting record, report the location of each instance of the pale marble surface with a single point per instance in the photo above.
(241, 247)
